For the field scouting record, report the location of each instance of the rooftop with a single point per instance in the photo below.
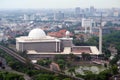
(77, 50)
(29, 39)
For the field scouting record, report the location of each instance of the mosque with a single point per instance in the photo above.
(39, 45)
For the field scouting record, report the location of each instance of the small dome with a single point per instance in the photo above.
(67, 33)
(37, 33)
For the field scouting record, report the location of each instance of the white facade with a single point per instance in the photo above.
(28, 17)
(87, 24)
(3, 36)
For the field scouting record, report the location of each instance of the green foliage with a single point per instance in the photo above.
(86, 56)
(73, 57)
(79, 43)
(67, 79)
(112, 38)
(36, 72)
(115, 59)
(44, 62)
(57, 78)
(23, 54)
(12, 41)
(44, 77)
(61, 60)
(28, 68)
(89, 75)
(71, 70)
(60, 56)
(107, 54)
(104, 75)
(50, 77)
(93, 41)
(114, 69)
(10, 76)
(118, 48)
(15, 64)
(61, 63)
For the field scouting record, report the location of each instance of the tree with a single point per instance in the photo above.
(78, 42)
(118, 49)
(44, 77)
(86, 56)
(66, 79)
(71, 70)
(10, 76)
(44, 62)
(115, 59)
(12, 41)
(114, 69)
(104, 75)
(89, 75)
(57, 78)
(72, 57)
(93, 41)
(61, 63)
(107, 54)
(60, 56)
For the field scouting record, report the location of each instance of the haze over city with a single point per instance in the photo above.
(59, 39)
(35, 4)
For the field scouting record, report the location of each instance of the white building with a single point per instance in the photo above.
(116, 13)
(87, 24)
(3, 37)
(27, 17)
(39, 45)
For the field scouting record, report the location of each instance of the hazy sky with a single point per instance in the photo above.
(59, 3)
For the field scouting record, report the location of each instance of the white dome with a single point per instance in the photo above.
(67, 33)
(37, 33)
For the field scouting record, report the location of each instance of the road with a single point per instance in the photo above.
(23, 60)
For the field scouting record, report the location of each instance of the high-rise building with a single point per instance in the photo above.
(25, 17)
(77, 12)
(92, 9)
(115, 13)
(28, 17)
(59, 16)
(87, 24)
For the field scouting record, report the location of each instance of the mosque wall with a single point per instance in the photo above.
(40, 46)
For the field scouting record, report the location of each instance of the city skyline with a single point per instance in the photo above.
(26, 4)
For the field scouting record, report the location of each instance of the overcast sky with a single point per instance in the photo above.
(58, 3)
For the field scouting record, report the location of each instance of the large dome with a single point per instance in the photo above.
(37, 33)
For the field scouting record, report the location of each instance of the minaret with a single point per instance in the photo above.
(100, 35)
